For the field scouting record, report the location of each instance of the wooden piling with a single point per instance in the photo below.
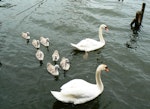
(138, 19)
(142, 10)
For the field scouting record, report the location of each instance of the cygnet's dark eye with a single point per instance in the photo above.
(106, 67)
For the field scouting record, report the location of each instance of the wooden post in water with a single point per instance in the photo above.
(142, 10)
(138, 19)
(136, 22)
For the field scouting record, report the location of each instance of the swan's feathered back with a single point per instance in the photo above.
(26, 35)
(53, 69)
(55, 56)
(39, 55)
(36, 43)
(65, 63)
(44, 41)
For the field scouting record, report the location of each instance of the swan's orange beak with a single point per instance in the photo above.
(106, 69)
(106, 28)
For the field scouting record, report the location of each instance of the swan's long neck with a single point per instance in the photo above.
(98, 79)
(101, 38)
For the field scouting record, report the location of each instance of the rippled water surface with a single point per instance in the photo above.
(24, 84)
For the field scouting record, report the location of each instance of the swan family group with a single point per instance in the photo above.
(76, 91)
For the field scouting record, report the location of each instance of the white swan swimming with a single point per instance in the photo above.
(44, 41)
(88, 44)
(65, 63)
(26, 35)
(36, 43)
(78, 91)
(53, 69)
(55, 56)
(40, 56)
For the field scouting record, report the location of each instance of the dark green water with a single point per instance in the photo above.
(26, 85)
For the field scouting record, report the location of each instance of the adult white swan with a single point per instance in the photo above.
(78, 91)
(88, 44)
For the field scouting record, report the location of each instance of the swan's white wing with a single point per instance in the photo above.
(88, 44)
(77, 98)
(79, 88)
(74, 83)
(87, 41)
(80, 92)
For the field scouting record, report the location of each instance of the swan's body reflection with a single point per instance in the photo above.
(94, 104)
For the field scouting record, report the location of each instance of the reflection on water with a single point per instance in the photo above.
(132, 43)
(0, 64)
(85, 55)
(133, 39)
(94, 104)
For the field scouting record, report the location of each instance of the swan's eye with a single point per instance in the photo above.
(106, 69)
(106, 28)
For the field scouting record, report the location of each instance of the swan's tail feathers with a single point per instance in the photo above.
(60, 97)
(57, 95)
(73, 45)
